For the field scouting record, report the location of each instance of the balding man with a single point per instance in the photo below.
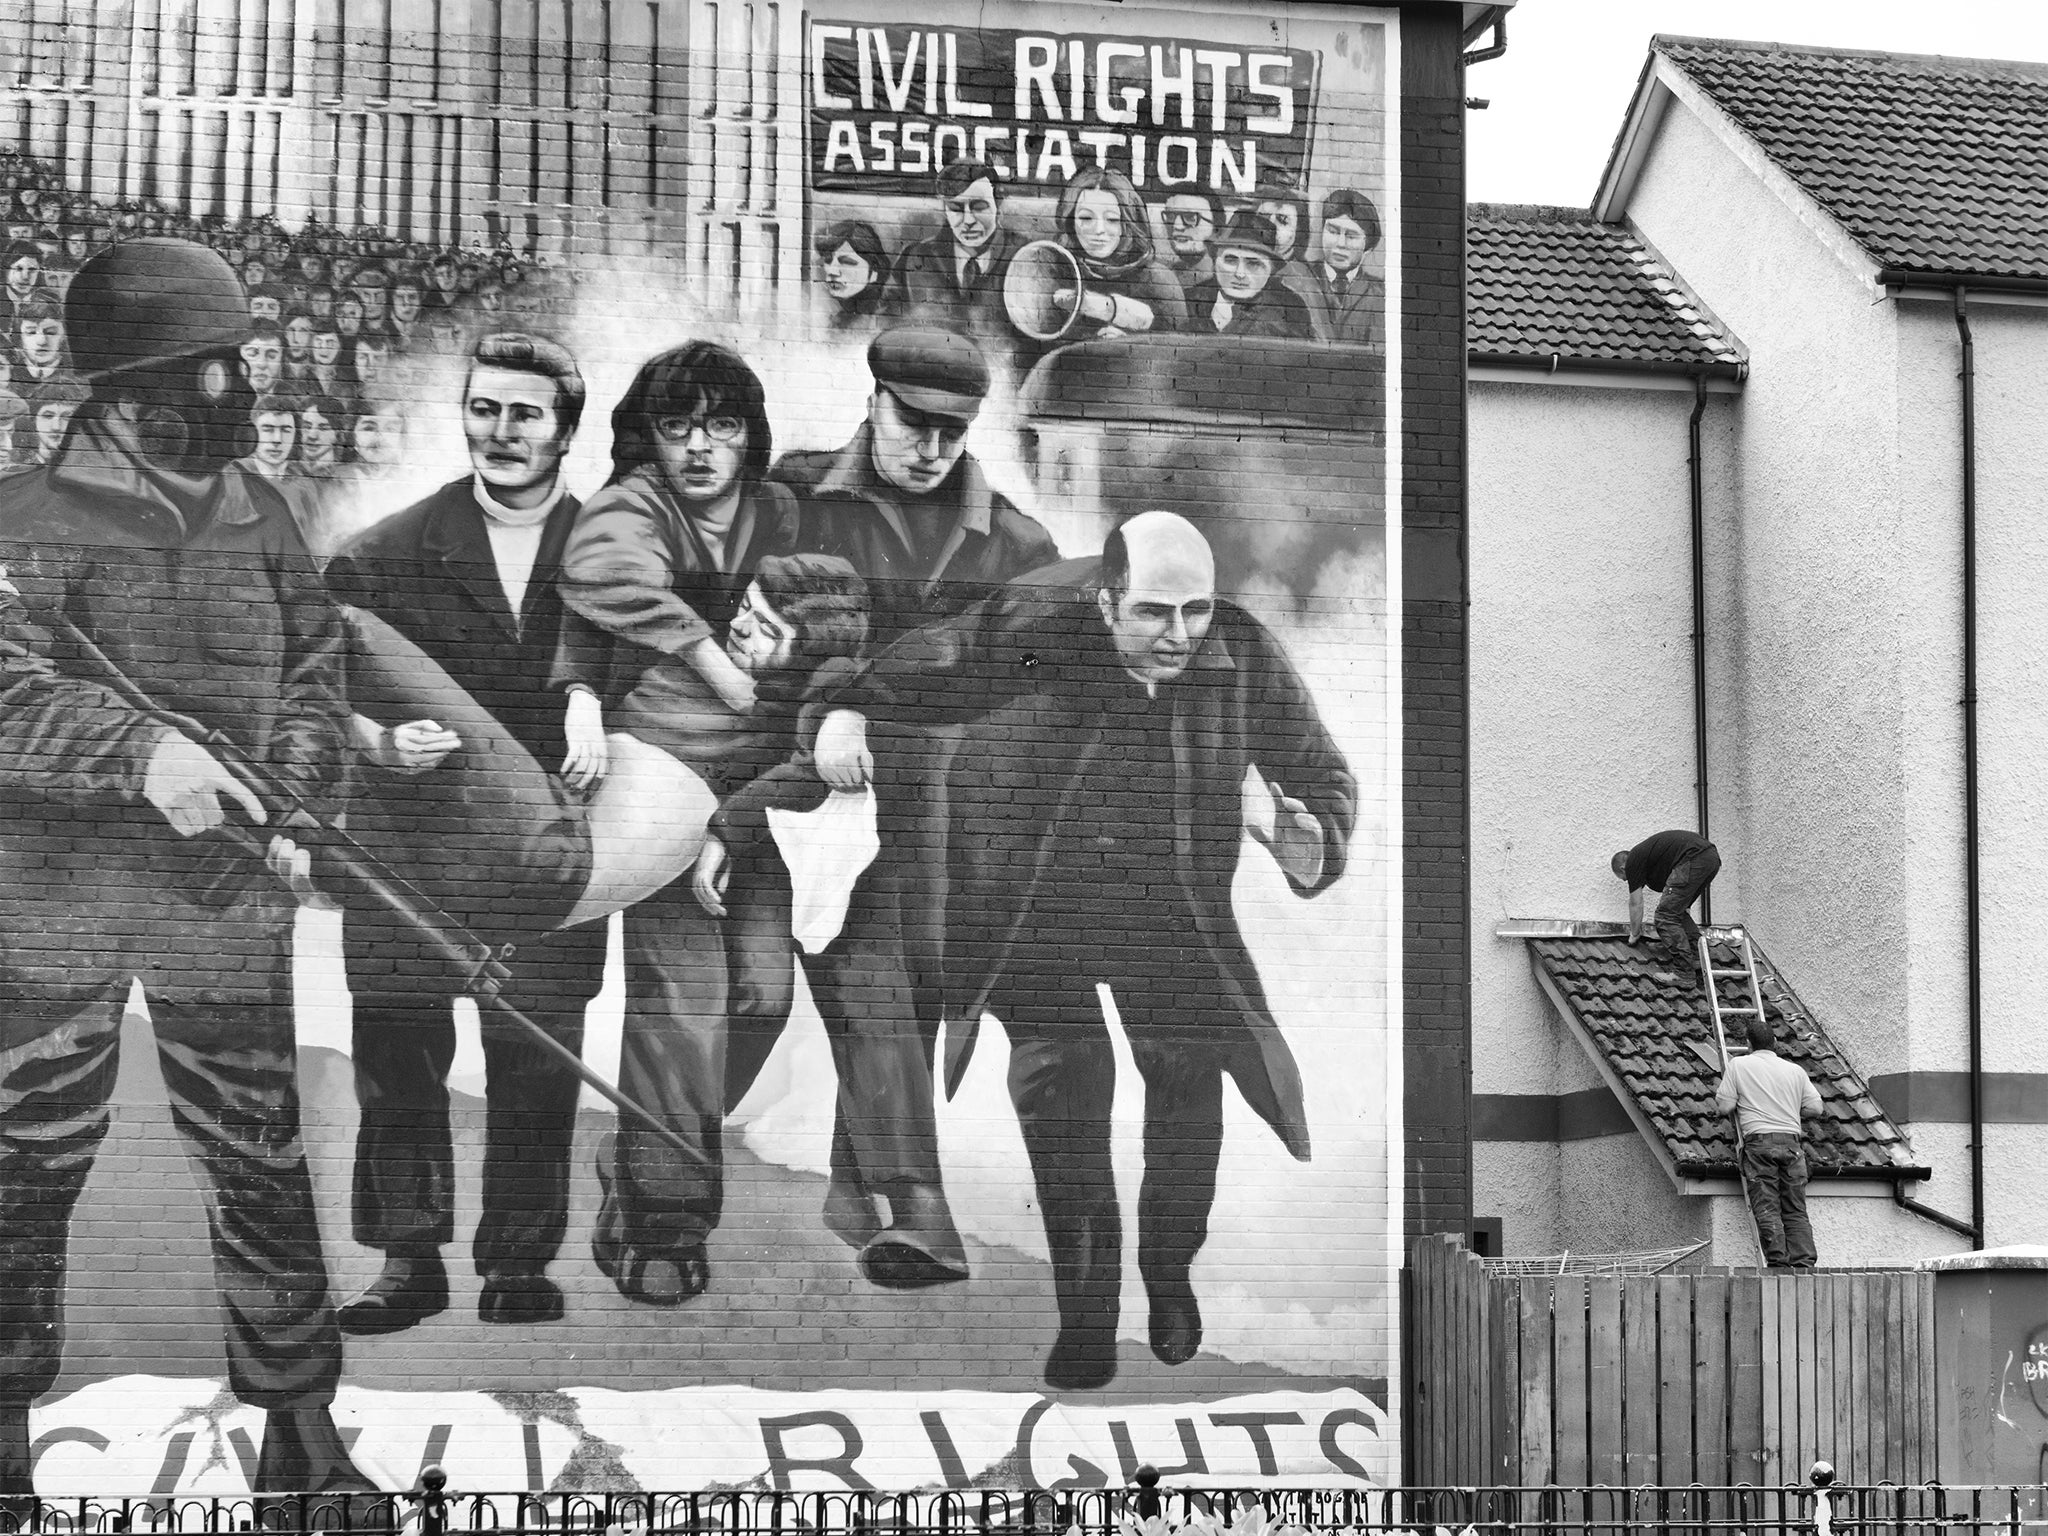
(1097, 810)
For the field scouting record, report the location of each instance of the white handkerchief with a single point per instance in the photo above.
(825, 852)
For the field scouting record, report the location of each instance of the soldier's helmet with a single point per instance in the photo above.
(144, 303)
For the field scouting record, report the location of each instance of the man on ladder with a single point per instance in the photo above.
(1769, 1096)
(1678, 866)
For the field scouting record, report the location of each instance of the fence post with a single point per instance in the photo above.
(1822, 1477)
(1146, 1500)
(433, 1500)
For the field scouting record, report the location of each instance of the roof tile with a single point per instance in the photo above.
(1931, 164)
(1641, 1029)
(1553, 282)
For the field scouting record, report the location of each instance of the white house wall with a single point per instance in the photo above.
(2012, 543)
(1581, 667)
(1833, 575)
(1810, 572)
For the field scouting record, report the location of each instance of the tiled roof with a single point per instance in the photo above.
(1658, 1040)
(1546, 283)
(1931, 164)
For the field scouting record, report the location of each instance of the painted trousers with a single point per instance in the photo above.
(222, 1016)
(1063, 1081)
(694, 1043)
(884, 1129)
(403, 1193)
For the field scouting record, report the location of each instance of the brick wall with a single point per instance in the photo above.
(1436, 1019)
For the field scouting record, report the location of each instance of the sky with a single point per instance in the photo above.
(1559, 95)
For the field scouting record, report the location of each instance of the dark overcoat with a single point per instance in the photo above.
(1034, 671)
(429, 573)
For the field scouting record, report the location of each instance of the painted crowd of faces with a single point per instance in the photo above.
(331, 314)
(1320, 247)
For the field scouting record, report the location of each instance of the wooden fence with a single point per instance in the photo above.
(1721, 1378)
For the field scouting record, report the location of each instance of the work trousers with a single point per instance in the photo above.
(1678, 935)
(1774, 1177)
(230, 1069)
(404, 1185)
(1063, 1080)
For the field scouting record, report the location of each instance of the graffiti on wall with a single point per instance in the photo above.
(782, 881)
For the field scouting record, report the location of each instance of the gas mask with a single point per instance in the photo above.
(192, 413)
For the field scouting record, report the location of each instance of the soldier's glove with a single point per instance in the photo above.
(184, 782)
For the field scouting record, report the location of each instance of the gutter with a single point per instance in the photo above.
(1895, 1174)
(1495, 20)
(1557, 362)
(1982, 282)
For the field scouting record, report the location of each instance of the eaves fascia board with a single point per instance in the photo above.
(1646, 109)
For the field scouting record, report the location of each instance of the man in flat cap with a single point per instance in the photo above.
(904, 502)
(1245, 298)
(908, 507)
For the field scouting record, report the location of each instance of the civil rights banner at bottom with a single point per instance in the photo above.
(158, 1436)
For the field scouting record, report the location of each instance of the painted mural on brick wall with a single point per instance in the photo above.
(746, 842)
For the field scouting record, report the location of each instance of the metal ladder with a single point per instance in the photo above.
(1712, 977)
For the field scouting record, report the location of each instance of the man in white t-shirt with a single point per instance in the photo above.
(468, 576)
(1770, 1096)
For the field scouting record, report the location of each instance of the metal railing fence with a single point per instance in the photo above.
(1795, 1510)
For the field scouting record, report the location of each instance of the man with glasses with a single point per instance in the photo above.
(1126, 728)
(1192, 216)
(655, 571)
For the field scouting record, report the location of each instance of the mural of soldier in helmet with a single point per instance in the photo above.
(191, 580)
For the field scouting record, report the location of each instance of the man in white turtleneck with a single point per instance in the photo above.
(469, 576)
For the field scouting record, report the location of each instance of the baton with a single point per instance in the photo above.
(481, 967)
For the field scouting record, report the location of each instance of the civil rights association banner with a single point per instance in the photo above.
(891, 104)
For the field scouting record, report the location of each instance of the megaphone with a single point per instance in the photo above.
(1043, 289)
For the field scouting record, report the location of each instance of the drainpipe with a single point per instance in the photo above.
(1972, 914)
(1696, 464)
(1939, 1218)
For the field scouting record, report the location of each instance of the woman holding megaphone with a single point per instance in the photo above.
(1103, 276)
